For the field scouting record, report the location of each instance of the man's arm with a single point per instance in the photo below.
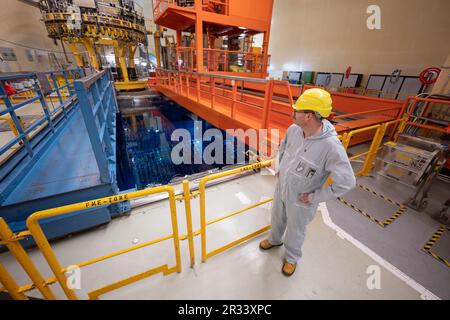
(281, 149)
(342, 174)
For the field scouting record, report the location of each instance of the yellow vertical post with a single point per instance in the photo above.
(89, 45)
(132, 51)
(22, 124)
(187, 206)
(157, 37)
(373, 150)
(176, 238)
(346, 140)
(10, 285)
(24, 260)
(116, 56)
(401, 127)
(202, 189)
(121, 50)
(46, 250)
(11, 125)
(76, 53)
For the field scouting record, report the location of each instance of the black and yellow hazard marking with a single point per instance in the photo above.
(367, 215)
(379, 195)
(384, 223)
(429, 245)
(394, 216)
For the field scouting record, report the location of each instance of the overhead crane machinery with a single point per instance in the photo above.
(94, 24)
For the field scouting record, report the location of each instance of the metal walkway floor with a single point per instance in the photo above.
(67, 166)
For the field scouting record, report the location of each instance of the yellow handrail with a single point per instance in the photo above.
(44, 246)
(203, 223)
(11, 125)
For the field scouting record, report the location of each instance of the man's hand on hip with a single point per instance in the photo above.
(304, 198)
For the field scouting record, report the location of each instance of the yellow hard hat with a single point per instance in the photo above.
(315, 99)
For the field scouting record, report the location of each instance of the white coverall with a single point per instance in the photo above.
(304, 165)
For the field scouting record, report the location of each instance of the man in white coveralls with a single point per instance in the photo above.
(309, 153)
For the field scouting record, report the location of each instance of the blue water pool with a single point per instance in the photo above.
(144, 143)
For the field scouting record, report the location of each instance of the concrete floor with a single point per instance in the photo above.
(331, 267)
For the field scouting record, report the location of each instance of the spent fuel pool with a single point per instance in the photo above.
(150, 127)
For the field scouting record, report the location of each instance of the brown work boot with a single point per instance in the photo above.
(266, 245)
(288, 268)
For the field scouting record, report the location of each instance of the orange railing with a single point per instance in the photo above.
(216, 60)
(216, 6)
(186, 57)
(232, 61)
(228, 95)
(266, 104)
(422, 118)
(159, 6)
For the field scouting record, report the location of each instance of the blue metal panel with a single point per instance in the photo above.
(72, 160)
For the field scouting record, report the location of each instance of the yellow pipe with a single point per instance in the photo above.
(352, 133)
(117, 253)
(93, 295)
(10, 285)
(238, 211)
(11, 125)
(24, 260)
(373, 150)
(358, 155)
(43, 244)
(187, 206)
(401, 127)
(236, 242)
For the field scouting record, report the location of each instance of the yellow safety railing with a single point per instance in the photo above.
(11, 125)
(49, 255)
(204, 223)
(375, 146)
(11, 241)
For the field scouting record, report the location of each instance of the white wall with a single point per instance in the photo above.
(330, 35)
(21, 24)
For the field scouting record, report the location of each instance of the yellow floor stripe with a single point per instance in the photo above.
(383, 223)
(379, 195)
(429, 245)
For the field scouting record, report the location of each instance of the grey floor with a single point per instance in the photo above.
(401, 242)
(331, 267)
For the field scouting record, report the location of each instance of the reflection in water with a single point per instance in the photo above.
(146, 144)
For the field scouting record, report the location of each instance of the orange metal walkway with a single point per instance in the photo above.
(235, 102)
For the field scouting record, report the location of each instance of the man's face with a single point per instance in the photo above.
(301, 118)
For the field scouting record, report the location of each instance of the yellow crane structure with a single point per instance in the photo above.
(92, 24)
